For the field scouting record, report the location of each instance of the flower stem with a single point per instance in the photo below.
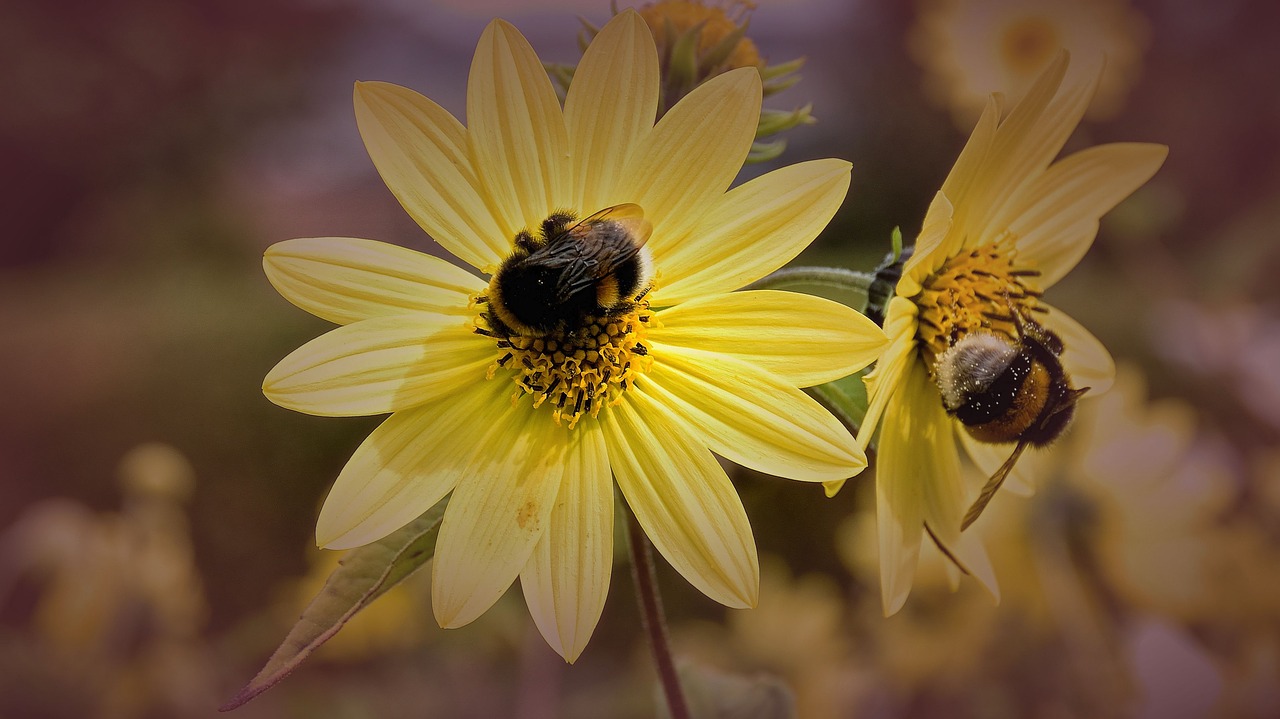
(837, 277)
(653, 618)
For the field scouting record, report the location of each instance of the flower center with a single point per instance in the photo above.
(714, 24)
(983, 289)
(577, 370)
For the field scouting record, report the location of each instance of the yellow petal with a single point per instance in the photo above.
(1086, 360)
(519, 145)
(1024, 145)
(936, 467)
(752, 417)
(406, 465)
(610, 108)
(497, 514)
(379, 365)
(884, 381)
(683, 500)
(1027, 474)
(751, 231)
(1057, 218)
(961, 183)
(931, 248)
(421, 152)
(343, 280)
(567, 578)
(804, 340)
(692, 155)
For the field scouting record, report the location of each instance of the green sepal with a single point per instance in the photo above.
(895, 243)
(774, 121)
(765, 151)
(771, 72)
(363, 575)
(717, 55)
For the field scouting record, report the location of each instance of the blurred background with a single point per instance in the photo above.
(156, 512)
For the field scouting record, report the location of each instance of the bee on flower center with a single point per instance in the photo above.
(567, 310)
(1005, 390)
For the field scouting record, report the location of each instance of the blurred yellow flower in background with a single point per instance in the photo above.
(1006, 226)
(525, 428)
(969, 48)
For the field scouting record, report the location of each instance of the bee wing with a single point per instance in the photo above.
(590, 258)
(989, 489)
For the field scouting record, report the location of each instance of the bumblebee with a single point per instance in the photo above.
(570, 272)
(1007, 391)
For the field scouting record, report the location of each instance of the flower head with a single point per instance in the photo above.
(970, 47)
(524, 395)
(1006, 226)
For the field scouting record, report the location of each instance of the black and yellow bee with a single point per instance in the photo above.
(571, 272)
(1005, 391)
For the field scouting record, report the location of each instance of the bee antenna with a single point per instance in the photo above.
(993, 484)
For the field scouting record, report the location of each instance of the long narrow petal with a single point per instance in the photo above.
(1086, 360)
(610, 108)
(932, 247)
(1057, 218)
(804, 340)
(380, 365)
(899, 506)
(519, 144)
(751, 231)
(343, 279)
(885, 380)
(683, 500)
(408, 464)
(567, 578)
(752, 417)
(693, 154)
(421, 152)
(499, 511)
(936, 467)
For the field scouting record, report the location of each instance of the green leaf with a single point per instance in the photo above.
(715, 695)
(895, 241)
(362, 576)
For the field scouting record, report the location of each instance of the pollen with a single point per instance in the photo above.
(579, 371)
(984, 289)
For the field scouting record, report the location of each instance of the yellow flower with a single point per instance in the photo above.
(1006, 226)
(970, 47)
(525, 430)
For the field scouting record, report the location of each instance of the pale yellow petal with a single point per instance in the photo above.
(752, 417)
(884, 381)
(931, 250)
(343, 279)
(1028, 474)
(751, 231)
(1086, 360)
(566, 579)
(408, 464)
(421, 152)
(497, 514)
(804, 340)
(1057, 218)
(683, 500)
(610, 108)
(959, 186)
(519, 145)
(935, 464)
(693, 154)
(379, 365)
(1024, 145)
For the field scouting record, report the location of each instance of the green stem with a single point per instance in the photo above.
(653, 618)
(837, 277)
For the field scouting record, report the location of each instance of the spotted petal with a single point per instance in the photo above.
(566, 579)
(499, 511)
